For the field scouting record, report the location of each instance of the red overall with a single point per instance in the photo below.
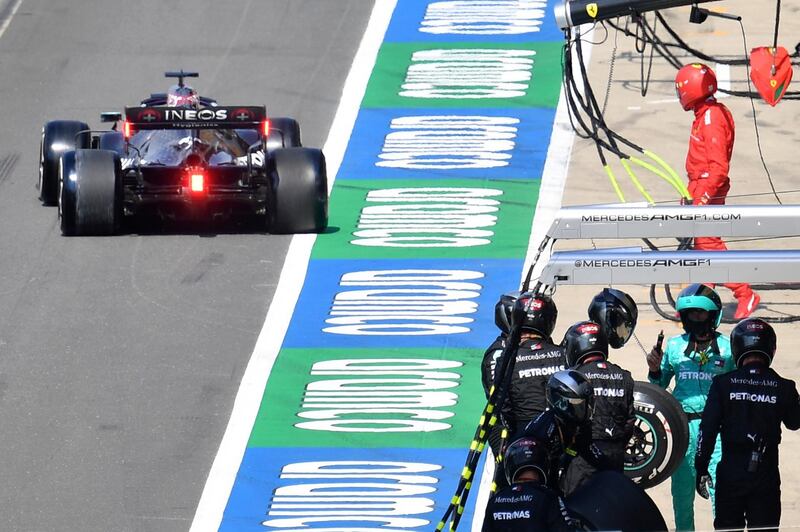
(707, 164)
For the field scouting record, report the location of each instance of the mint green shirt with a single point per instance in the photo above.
(693, 372)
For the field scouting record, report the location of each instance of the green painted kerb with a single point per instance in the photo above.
(401, 219)
(465, 75)
(424, 386)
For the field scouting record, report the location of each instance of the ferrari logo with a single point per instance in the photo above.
(772, 83)
(591, 9)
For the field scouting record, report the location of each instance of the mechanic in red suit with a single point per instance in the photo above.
(708, 160)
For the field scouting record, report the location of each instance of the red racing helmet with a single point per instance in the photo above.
(694, 83)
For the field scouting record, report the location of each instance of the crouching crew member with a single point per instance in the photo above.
(566, 427)
(526, 504)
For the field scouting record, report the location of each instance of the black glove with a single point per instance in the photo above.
(702, 483)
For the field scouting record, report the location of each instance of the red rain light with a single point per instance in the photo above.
(265, 128)
(197, 183)
(127, 129)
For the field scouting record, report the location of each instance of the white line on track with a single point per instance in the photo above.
(229, 456)
(723, 79)
(5, 23)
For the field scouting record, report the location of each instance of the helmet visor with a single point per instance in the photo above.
(574, 409)
(620, 329)
(699, 323)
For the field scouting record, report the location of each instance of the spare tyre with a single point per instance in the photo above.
(660, 438)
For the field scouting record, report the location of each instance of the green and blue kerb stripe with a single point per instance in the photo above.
(374, 396)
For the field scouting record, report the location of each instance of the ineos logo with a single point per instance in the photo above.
(192, 114)
(588, 328)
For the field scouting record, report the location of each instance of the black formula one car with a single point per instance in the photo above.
(182, 156)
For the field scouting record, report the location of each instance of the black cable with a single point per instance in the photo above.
(646, 81)
(777, 24)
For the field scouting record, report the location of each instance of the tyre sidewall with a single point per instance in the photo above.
(662, 413)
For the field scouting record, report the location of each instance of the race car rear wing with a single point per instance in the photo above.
(245, 117)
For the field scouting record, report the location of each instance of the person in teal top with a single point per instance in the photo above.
(693, 359)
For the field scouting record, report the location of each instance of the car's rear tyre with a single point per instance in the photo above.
(299, 195)
(661, 436)
(283, 133)
(58, 137)
(91, 193)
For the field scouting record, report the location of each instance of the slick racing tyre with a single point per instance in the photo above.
(299, 196)
(608, 500)
(660, 437)
(91, 193)
(58, 137)
(283, 133)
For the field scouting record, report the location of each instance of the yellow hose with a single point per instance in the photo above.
(644, 164)
(676, 178)
(614, 183)
(635, 180)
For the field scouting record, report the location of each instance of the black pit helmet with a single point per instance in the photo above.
(571, 396)
(616, 312)
(753, 336)
(526, 453)
(503, 309)
(538, 313)
(583, 339)
(703, 297)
